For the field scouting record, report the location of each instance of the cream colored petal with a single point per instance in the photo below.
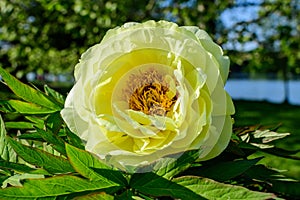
(222, 142)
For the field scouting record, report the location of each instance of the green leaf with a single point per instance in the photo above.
(15, 166)
(154, 185)
(25, 108)
(83, 162)
(283, 153)
(211, 189)
(21, 168)
(53, 164)
(53, 187)
(127, 194)
(54, 122)
(56, 95)
(6, 151)
(222, 171)
(19, 125)
(113, 175)
(95, 196)
(28, 93)
(38, 121)
(73, 139)
(267, 136)
(169, 167)
(31, 136)
(57, 142)
(15, 180)
(263, 173)
(289, 188)
(3, 178)
(276, 181)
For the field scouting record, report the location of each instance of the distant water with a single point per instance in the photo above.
(264, 90)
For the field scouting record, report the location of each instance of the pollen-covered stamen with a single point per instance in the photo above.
(150, 93)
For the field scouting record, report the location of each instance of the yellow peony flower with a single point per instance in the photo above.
(151, 90)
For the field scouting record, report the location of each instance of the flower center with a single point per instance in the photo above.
(149, 92)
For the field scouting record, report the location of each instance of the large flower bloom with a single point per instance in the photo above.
(151, 90)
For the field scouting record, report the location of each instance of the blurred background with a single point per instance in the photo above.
(42, 40)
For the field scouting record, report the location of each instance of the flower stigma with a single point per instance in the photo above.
(150, 93)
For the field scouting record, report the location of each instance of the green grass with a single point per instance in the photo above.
(251, 113)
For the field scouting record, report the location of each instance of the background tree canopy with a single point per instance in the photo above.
(41, 36)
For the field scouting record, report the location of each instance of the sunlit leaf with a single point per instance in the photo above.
(38, 121)
(53, 187)
(73, 139)
(28, 93)
(15, 166)
(154, 185)
(57, 142)
(56, 95)
(95, 196)
(19, 125)
(172, 166)
(25, 108)
(53, 164)
(211, 189)
(54, 122)
(6, 151)
(91, 167)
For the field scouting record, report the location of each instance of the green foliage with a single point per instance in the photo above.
(45, 36)
(43, 159)
(211, 189)
(277, 39)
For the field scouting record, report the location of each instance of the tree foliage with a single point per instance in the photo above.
(275, 32)
(50, 35)
(41, 36)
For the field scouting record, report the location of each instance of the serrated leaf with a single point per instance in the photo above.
(222, 171)
(6, 151)
(113, 175)
(53, 164)
(83, 162)
(154, 185)
(25, 107)
(28, 93)
(211, 189)
(53, 187)
(171, 166)
(38, 121)
(54, 122)
(21, 168)
(15, 166)
(73, 139)
(57, 142)
(56, 95)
